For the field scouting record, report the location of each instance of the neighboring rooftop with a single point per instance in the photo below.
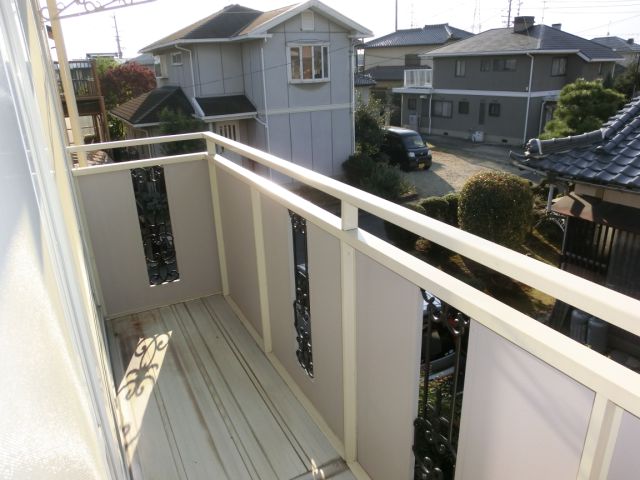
(363, 80)
(226, 105)
(427, 35)
(618, 44)
(145, 109)
(532, 38)
(607, 157)
(235, 22)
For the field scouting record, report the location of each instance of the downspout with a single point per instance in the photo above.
(352, 99)
(264, 96)
(193, 76)
(430, 99)
(544, 102)
(526, 114)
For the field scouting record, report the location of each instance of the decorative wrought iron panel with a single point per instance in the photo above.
(152, 203)
(436, 430)
(301, 310)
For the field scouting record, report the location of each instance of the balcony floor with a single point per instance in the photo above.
(199, 400)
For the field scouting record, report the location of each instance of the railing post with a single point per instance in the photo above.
(217, 216)
(600, 442)
(261, 264)
(349, 358)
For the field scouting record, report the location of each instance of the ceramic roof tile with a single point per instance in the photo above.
(428, 35)
(611, 156)
(146, 108)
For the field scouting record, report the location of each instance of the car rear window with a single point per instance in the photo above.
(413, 141)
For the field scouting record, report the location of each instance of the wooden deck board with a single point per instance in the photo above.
(199, 400)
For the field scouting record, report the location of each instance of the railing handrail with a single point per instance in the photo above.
(613, 307)
(415, 77)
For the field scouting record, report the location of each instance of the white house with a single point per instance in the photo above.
(280, 81)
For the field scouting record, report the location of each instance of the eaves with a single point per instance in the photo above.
(187, 41)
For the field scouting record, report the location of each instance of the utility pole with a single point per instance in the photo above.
(115, 23)
(396, 15)
(509, 15)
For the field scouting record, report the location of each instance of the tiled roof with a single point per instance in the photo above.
(146, 108)
(428, 35)
(363, 80)
(383, 73)
(536, 37)
(225, 105)
(610, 156)
(222, 24)
(617, 44)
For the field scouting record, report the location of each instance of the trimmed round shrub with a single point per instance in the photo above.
(497, 206)
(452, 199)
(400, 237)
(357, 167)
(436, 207)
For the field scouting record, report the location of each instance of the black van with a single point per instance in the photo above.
(406, 148)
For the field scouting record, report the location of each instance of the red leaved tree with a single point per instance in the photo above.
(124, 82)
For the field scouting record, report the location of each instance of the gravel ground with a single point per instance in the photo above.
(455, 160)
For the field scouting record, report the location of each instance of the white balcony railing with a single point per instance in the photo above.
(422, 77)
(527, 387)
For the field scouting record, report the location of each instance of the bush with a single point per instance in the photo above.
(368, 127)
(496, 206)
(400, 237)
(452, 199)
(378, 178)
(436, 207)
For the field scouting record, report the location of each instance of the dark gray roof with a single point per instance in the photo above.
(535, 38)
(146, 108)
(428, 35)
(226, 105)
(618, 44)
(383, 73)
(363, 80)
(609, 157)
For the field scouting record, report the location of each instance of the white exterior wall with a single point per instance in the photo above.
(219, 70)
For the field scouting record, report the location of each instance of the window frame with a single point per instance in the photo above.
(556, 62)
(460, 69)
(501, 64)
(486, 64)
(175, 55)
(414, 101)
(467, 107)
(442, 114)
(494, 109)
(325, 62)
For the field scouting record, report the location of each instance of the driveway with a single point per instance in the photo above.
(455, 160)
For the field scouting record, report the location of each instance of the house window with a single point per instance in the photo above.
(460, 68)
(307, 21)
(463, 107)
(504, 65)
(441, 108)
(159, 67)
(176, 58)
(411, 60)
(559, 66)
(412, 104)
(309, 63)
(485, 65)
(301, 303)
(494, 109)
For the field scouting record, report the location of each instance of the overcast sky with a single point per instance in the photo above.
(140, 25)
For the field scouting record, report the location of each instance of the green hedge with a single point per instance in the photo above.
(497, 206)
(400, 237)
(376, 177)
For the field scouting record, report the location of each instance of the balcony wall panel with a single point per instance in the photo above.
(110, 210)
(625, 455)
(240, 246)
(389, 321)
(535, 416)
(325, 389)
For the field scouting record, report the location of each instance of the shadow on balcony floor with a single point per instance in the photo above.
(199, 400)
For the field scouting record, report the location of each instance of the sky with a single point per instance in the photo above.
(140, 25)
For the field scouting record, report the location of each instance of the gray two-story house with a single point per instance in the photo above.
(502, 85)
(280, 81)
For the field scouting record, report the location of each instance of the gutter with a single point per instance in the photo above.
(152, 48)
